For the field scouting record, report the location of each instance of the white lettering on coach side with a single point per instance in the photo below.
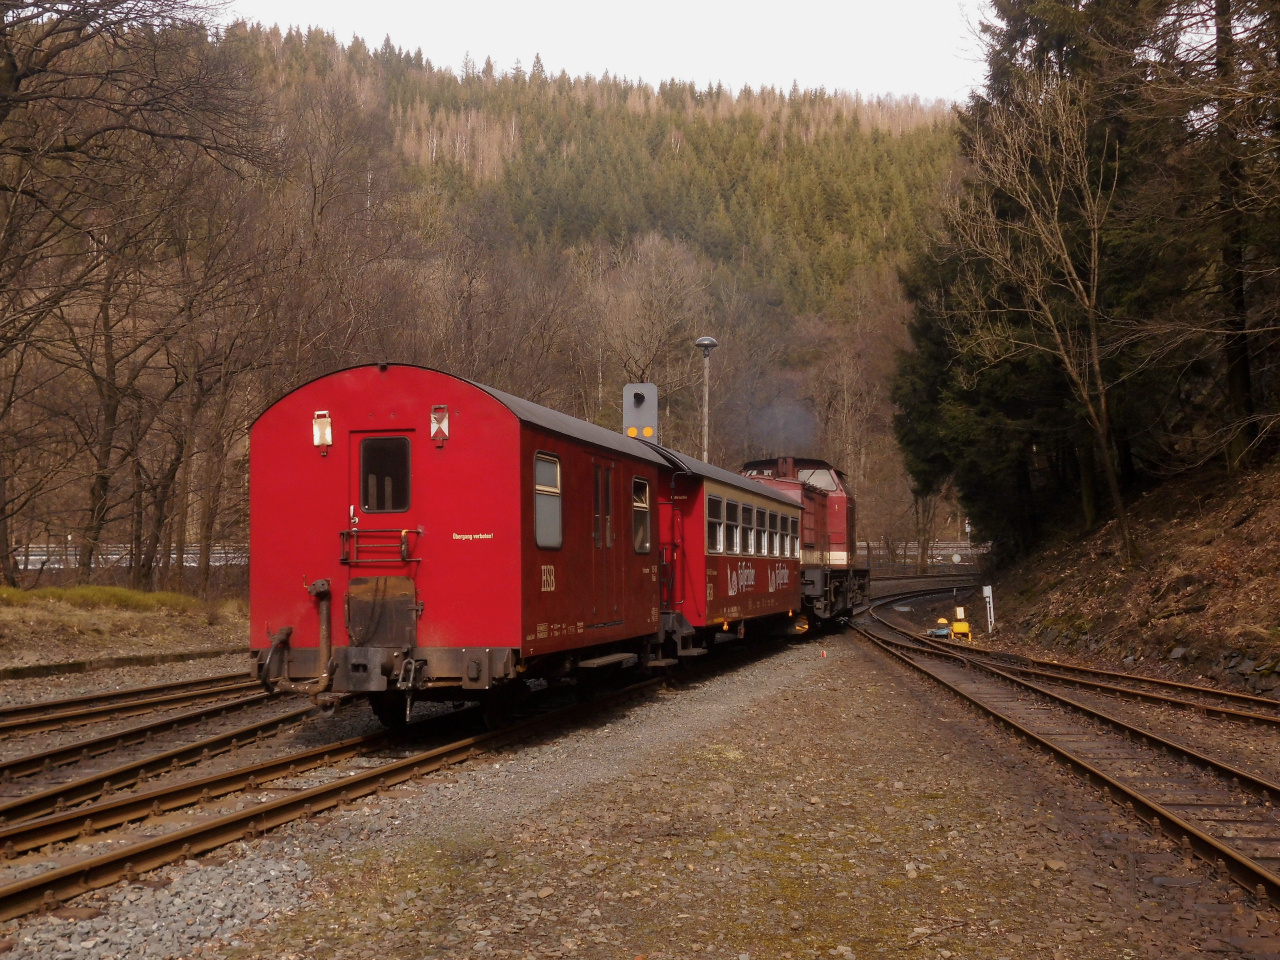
(741, 579)
(779, 577)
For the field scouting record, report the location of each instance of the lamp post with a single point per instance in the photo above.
(707, 344)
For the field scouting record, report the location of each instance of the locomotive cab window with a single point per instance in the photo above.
(384, 474)
(730, 527)
(715, 525)
(822, 479)
(640, 514)
(748, 536)
(546, 502)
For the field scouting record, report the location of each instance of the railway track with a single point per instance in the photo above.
(1212, 808)
(133, 771)
(181, 818)
(1209, 701)
(52, 714)
(1206, 701)
(42, 761)
(209, 828)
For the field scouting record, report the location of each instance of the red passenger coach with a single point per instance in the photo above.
(417, 535)
(730, 552)
(413, 532)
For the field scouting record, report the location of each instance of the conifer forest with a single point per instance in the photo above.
(1095, 307)
(1018, 309)
(197, 220)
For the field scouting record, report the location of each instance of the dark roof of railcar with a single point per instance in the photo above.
(568, 426)
(728, 478)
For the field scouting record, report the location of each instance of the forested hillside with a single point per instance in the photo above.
(194, 222)
(1097, 308)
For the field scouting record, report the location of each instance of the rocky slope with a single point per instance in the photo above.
(1203, 597)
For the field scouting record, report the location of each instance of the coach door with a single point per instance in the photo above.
(380, 544)
(604, 534)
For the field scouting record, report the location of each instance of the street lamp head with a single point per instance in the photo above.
(707, 344)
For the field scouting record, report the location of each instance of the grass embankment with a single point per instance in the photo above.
(99, 598)
(65, 624)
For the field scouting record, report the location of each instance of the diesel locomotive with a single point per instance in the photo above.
(415, 535)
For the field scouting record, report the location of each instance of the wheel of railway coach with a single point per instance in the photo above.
(389, 706)
(500, 705)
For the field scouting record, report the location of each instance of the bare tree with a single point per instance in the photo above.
(1029, 233)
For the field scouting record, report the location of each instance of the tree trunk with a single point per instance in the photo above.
(159, 519)
(135, 528)
(180, 509)
(100, 486)
(213, 494)
(925, 506)
(1235, 342)
(91, 533)
(8, 575)
(1113, 488)
(1088, 478)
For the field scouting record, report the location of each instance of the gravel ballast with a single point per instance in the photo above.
(797, 805)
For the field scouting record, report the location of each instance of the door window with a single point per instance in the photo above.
(384, 474)
(608, 506)
(640, 523)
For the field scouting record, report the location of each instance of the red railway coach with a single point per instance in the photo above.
(730, 553)
(414, 534)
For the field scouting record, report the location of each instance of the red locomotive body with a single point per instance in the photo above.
(832, 580)
(415, 535)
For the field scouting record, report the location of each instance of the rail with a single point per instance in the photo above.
(1127, 758)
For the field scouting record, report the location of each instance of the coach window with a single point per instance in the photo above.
(715, 525)
(748, 533)
(773, 534)
(640, 523)
(384, 467)
(730, 527)
(795, 537)
(546, 502)
(761, 549)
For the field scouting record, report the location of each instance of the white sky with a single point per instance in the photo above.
(924, 47)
